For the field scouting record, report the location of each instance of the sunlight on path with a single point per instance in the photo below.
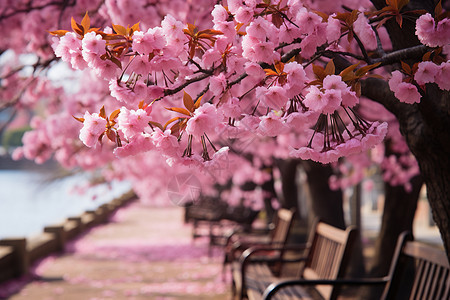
(144, 253)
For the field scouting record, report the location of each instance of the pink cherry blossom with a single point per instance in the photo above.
(217, 84)
(333, 29)
(93, 127)
(405, 92)
(443, 75)
(137, 144)
(315, 99)
(206, 119)
(132, 122)
(93, 43)
(128, 95)
(307, 21)
(166, 143)
(219, 14)
(300, 121)
(253, 69)
(141, 65)
(431, 34)
(274, 97)
(271, 125)
(231, 108)
(69, 49)
(365, 32)
(426, 72)
(296, 79)
(244, 14)
(145, 43)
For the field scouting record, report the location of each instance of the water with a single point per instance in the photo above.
(27, 204)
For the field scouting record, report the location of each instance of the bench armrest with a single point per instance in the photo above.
(253, 255)
(257, 249)
(273, 288)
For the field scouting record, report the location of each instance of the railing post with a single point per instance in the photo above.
(20, 254)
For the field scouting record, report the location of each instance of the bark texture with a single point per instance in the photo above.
(424, 126)
(398, 215)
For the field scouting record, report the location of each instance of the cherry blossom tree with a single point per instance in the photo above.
(221, 89)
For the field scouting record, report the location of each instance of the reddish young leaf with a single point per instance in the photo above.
(197, 103)
(86, 23)
(363, 71)
(406, 67)
(319, 71)
(349, 70)
(156, 124)
(180, 110)
(59, 33)
(77, 27)
(171, 121)
(135, 27)
(79, 119)
(188, 102)
(102, 113)
(114, 114)
(119, 29)
(330, 68)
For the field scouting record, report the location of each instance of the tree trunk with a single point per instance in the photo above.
(424, 125)
(325, 203)
(398, 215)
(269, 193)
(288, 172)
(328, 206)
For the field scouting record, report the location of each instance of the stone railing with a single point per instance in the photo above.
(18, 254)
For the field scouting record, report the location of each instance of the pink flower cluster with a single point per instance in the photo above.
(259, 43)
(365, 32)
(132, 122)
(432, 34)
(403, 91)
(69, 48)
(400, 170)
(93, 127)
(429, 72)
(356, 143)
(335, 93)
(206, 119)
(130, 95)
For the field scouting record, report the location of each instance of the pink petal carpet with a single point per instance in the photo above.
(142, 253)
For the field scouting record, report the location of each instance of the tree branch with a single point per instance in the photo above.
(415, 52)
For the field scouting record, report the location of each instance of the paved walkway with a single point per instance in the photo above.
(144, 253)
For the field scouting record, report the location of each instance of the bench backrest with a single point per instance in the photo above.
(418, 270)
(328, 256)
(282, 225)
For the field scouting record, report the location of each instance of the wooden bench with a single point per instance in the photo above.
(276, 237)
(213, 218)
(418, 271)
(325, 255)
